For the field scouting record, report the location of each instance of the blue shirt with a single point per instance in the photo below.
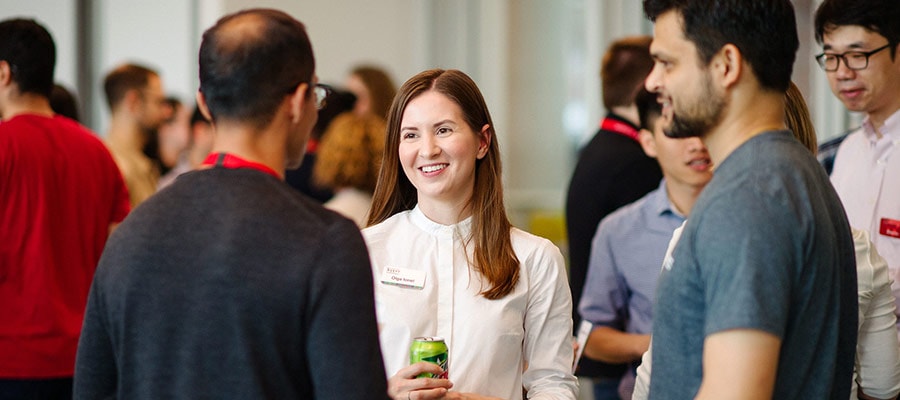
(626, 257)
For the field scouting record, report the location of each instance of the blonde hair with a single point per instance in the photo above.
(350, 153)
(796, 116)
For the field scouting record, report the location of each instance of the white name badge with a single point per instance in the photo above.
(403, 277)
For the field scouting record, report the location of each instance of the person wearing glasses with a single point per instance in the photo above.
(230, 283)
(861, 43)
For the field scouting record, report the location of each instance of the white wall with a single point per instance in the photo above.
(346, 33)
(536, 61)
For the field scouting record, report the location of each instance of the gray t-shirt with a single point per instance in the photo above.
(767, 247)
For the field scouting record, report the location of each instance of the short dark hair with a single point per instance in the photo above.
(31, 54)
(765, 31)
(124, 78)
(249, 61)
(624, 68)
(648, 108)
(879, 16)
(63, 102)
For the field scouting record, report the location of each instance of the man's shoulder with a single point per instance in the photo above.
(624, 217)
(609, 145)
(611, 158)
(828, 151)
(63, 128)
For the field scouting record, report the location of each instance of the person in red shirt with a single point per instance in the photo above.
(60, 195)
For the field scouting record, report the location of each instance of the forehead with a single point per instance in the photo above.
(154, 84)
(851, 37)
(668, 37)
(429, 106)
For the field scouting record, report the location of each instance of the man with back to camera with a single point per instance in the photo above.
(612, 171)
(861, 42)
(229, 283)
(60, 194)
(630, 243)
(757, 299)
(137, 106)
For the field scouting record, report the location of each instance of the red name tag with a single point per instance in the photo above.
(890, 227)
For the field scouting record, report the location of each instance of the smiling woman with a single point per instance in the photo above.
(436, 151)
(497, 295)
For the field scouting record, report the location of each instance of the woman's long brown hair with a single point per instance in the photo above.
(494, 258)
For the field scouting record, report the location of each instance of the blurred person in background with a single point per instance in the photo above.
(612, 170)
(347, 163)
(336, 102)
(137, 106)
(60, 195)
(64, 103)
(374, 90)
(199, 145)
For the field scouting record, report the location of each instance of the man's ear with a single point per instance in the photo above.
(648, 142)
(728, 65)
(298, 100)
(5, 73)
(132, 100)
(204, 109)
(484, 141)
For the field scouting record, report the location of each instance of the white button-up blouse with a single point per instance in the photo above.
(497, 347)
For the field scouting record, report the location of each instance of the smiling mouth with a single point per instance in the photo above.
(665, 105)
(432, 168)
(700, 164)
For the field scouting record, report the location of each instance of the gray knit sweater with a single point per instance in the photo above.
(229, 284)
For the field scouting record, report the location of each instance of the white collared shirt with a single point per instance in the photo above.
(866, 176)
(490, 341)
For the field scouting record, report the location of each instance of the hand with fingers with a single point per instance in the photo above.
(405, 386)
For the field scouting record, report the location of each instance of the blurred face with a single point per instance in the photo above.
(152, 109)
(684, 161)
(684, 87)
(203, 138)
(297, 139)
(363, 103)
(173, 135)
(873, 90)
(438, 149)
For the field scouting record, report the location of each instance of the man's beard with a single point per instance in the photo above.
(700, 118)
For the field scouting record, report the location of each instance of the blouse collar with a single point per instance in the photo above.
(462, 228)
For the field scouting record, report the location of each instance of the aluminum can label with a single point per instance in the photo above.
(430, 349)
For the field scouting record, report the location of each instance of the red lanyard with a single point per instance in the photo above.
(609, 124)
(226, 160)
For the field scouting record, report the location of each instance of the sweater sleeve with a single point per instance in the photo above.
(344, 354)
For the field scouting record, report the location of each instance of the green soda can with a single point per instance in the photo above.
(430, 349)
